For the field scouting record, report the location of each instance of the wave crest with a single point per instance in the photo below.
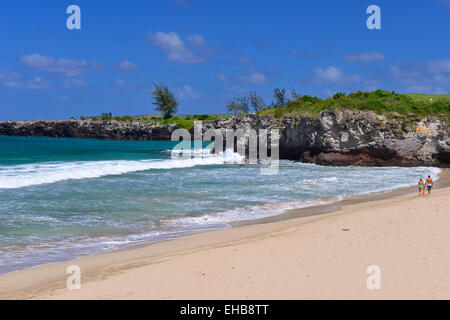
(13, 177)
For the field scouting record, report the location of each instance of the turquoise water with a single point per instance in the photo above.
(65, 198)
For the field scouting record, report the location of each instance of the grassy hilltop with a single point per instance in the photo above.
(379, 101)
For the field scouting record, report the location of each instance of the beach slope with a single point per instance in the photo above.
(317, 257)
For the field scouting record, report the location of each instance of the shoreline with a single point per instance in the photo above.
(46, 280)
(317, 210)
(323, 206)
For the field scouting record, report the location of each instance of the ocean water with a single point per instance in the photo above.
(65, 198)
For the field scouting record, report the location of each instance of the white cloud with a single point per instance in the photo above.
(120, 83)
(430, 77)
(439, 66)
(266, 44)
(417, 88)
(72, 68)
(409, 71)
(36, 83)
(333, 75)
(446, 2)
(244, 60)
(11, 80)
(365, 57)
(440, 79)
(222, 77)
(16, 81)
(196, 41)
(238, 89)
(194, 52)
(74, 83)
(127, 66)
(66, 67)
(323, 52)
(188, 93)
(254, 77)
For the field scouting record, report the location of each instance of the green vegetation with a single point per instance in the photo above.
(427, 97)
(379, 101)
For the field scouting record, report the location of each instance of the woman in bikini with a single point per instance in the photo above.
(421, 186)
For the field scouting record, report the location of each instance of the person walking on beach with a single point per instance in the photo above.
(430, 184)
(421, 185)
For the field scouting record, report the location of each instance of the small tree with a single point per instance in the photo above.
(280, 97)
(234, 107)
(106, 116)
(164, 100)
(256, 102)
(295, 95)
(244, 103)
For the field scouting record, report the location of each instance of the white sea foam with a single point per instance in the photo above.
(318, 181)
(12, 177)
(246, 213)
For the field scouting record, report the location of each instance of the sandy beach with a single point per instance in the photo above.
(322, 256)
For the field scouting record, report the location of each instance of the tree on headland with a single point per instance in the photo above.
(164, 100)
(234, 107)
(295, 95)
(254, 101)
(257, 102)
(239, 105)
(280, 97)
(244, 103)
(106, 116)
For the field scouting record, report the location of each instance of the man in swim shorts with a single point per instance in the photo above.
(430, 184)
(421, 185)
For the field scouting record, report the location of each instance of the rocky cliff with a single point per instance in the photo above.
(111, 130)
(332, 138)
(356, 138)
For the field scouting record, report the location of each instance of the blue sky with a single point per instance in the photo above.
(210, 51)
